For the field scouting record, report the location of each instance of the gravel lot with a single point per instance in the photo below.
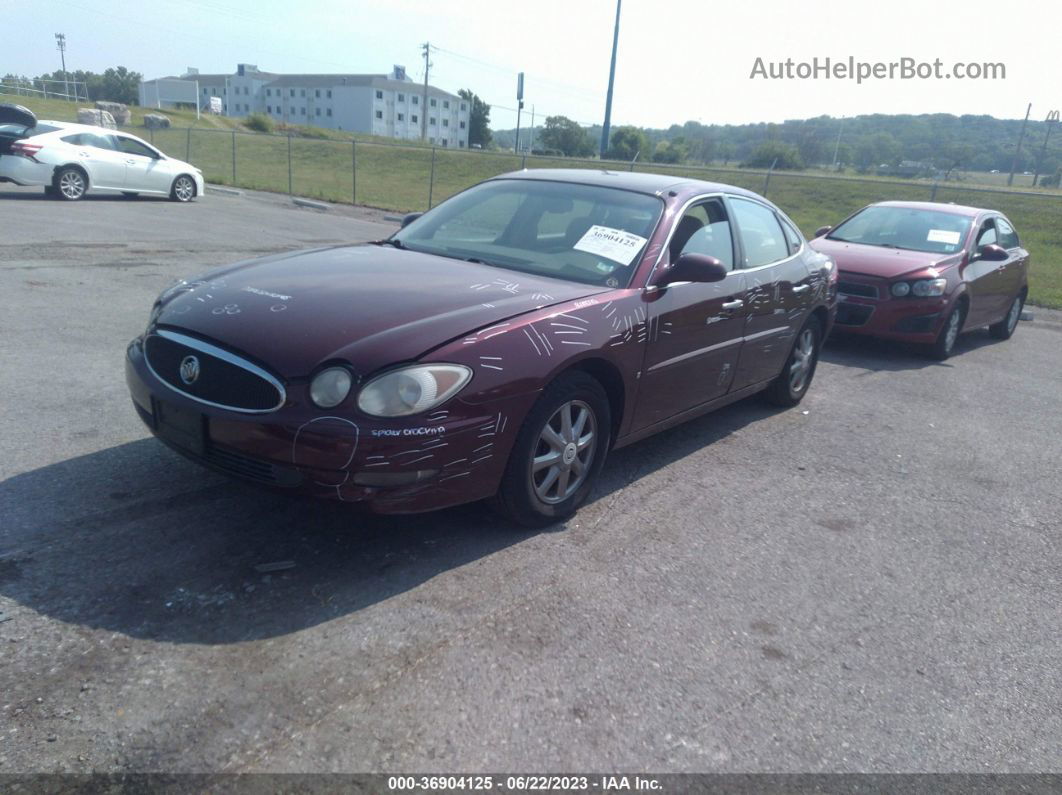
(870, 582)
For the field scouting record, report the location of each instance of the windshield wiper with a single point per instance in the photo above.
(479, 261)
(391, 241)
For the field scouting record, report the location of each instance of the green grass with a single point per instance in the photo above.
(396, 177)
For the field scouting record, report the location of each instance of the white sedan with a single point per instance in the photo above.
(69, 160)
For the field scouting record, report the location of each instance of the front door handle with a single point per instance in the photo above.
(801, 288)
(732, 305)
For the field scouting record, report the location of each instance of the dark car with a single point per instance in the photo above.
(497, 346)
(923, 272)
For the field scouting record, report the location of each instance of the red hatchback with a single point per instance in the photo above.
(924, 272)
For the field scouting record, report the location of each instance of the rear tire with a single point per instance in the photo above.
(789, 388)
(558, 453)
(1005, 328)
(183, 189)
(944, 345)
(70, 183)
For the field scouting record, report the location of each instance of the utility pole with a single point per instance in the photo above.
(519, 107)
(1017, 152)
(837, 146)
(424, 107)
(1051, 120)
(611, 82)
(531, 146)
(60, 40)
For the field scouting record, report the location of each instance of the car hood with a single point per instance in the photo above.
(368, 305)
(886, 263)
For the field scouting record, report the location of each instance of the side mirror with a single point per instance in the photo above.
(693, 268)
(409, 218)
(823, 230)
(992, 253)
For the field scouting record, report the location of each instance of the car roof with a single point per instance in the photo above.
(640, 182)
(68, 126)
(943, 207)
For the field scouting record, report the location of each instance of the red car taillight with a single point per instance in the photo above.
(25, 149)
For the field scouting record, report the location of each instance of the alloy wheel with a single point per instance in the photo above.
(952, 334)
(565, 450)
(803, 360)
(183, 189)
(1013, 315)
(72, 184)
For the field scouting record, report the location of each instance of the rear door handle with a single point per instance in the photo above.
(731, 305)
(130, 162)
(801, 288)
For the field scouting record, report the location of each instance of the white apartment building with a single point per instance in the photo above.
(389, 105)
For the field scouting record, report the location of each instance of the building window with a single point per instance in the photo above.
(329, 111)
(413, 118)
(446, 122)
(416, 100)
(379, 114)
(443, 142)
(431, 120)
(379, 95)
(269, 109)
(204, 92)
(317, 111)
(303, 110)
(317, 92)
(446, 103)
(461, 144)
(292, 92)
(432, 102)
(462, 125)
(328, 93)
(401, 97)
(401, 117)
(462, 106)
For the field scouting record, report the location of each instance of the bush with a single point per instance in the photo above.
(258, 122)
(766, 153)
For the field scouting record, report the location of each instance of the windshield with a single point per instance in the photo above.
(904, 227)
(582, 233)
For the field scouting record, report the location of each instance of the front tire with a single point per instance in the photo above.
(944, 345)
(1005, 328)
(558, 453)
(70, 183)
(789, 388)
(183, 189)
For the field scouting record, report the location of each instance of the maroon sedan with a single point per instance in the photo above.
(497, 346)
(924, 272)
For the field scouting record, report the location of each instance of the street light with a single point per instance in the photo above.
(611, 81)
(60, 41)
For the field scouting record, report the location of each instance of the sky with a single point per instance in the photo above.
(678, 60)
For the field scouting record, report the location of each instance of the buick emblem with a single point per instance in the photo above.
(189, 369)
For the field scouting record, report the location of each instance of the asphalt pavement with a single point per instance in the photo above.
(868, 582)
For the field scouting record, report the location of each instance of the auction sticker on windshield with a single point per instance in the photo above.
(943, 236)
(614, 244)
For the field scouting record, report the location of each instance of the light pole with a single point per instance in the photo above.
(60, 40)
(837, 146)
(611, 82)
(1051, 120)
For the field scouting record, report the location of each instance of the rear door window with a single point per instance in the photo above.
(1008, 238)
(761, 234)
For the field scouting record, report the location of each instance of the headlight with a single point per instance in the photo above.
(330, 387)
(929, 287)
(156, 310)
(900, 289)
(412, 390)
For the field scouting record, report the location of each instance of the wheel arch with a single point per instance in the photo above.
(608, 375)
(77, 166)
(195, 184)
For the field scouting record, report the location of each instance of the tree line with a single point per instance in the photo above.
(928, 143)
(116, 84)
